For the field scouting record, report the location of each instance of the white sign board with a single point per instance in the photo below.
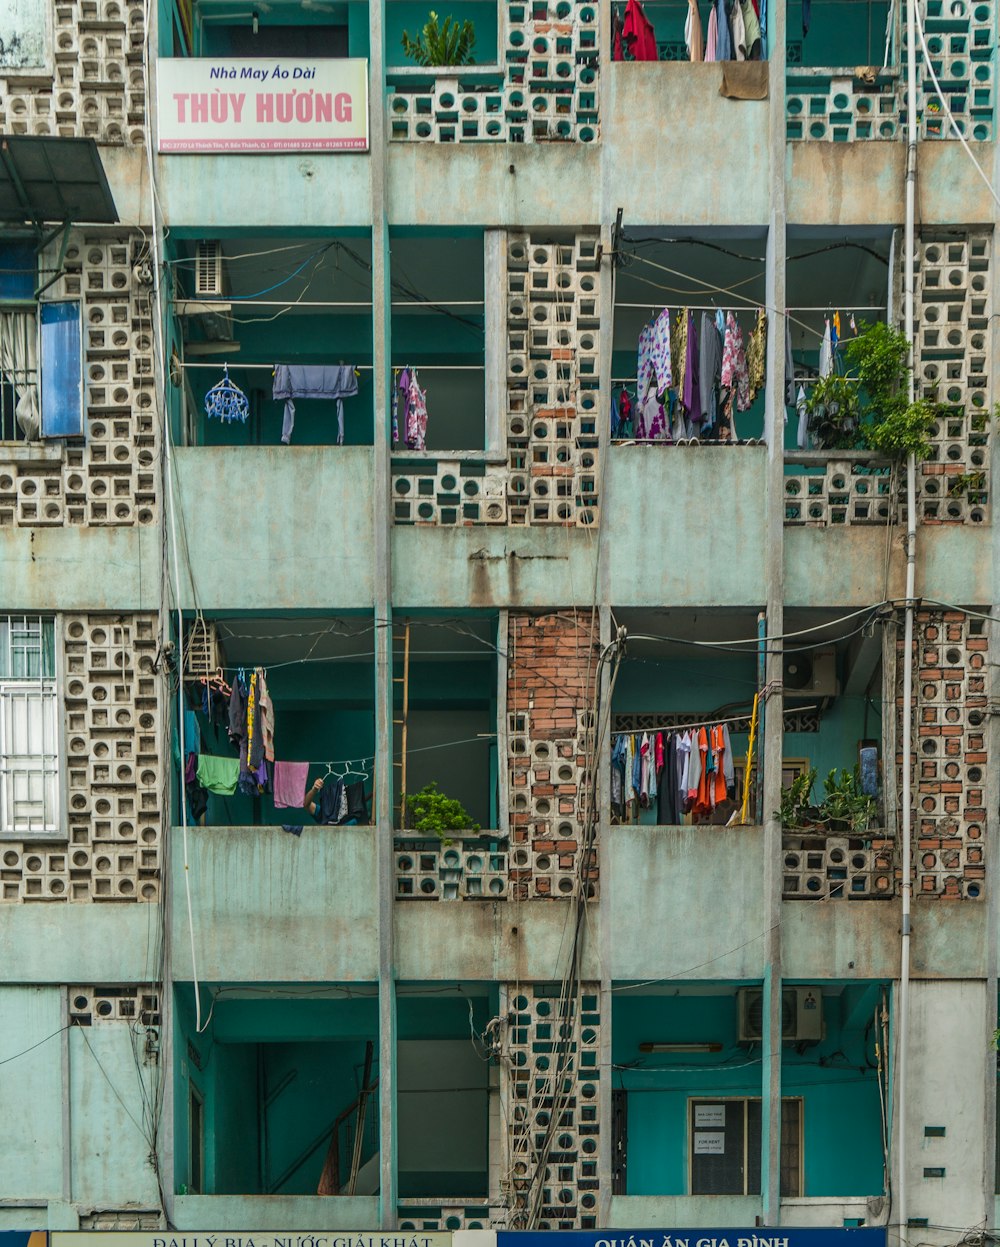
(214, 104)
(709, 1115)
(709, 1143)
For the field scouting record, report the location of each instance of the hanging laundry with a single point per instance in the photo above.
(416, 414)
(802, 410)
(638, 35)
(225, 401)
(290, 784)
(734, 365)
(693, 38)
(826, 351)
(751, 26)
(835, 332)
(757, 355)
(709, 369)
(739, 33)
(293, 381)
(680, 772)
(724, 38)
(218, 775)
(712, 36)
(691, 395)
(678, 349)
(659, 352)
(644, 361)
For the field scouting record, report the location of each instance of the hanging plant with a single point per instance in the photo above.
(441, 43)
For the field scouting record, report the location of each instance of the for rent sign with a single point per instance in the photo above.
(216, 105)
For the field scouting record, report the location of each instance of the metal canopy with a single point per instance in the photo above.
(48, 179)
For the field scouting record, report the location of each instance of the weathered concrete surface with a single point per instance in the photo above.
(270, 907)
(489, 940)
(694, 1211)
(863, 184)
(685, 141)
(713, 876)
(278, 525)
(275, 1212)
(301, 191)
(860, 939)
(846, 565)
(89, 568)
(953, 1020)
(64, 943)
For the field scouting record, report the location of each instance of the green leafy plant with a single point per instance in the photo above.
(429, 810)
(845, 803)
(844, 807)
(968, 483)
(795, 810)
(441, 43)
(868, 408)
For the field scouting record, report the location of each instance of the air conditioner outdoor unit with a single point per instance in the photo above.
(801, 1014)
(208, 269)
(811, 673)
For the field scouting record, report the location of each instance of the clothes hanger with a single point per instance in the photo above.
(225, 401)
(362, 775)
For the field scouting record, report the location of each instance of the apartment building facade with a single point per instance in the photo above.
(242, 248)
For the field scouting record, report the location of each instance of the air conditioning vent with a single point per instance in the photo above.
(811, 673)
(801, 1014)
(203, 654)
(208, 269)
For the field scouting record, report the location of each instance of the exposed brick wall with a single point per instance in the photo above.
(950, 757)
(551, 676)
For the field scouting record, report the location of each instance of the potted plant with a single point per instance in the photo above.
(431, 812)
(845, 809)
(441, 43)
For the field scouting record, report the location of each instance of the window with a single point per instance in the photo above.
(29, 727)
(724, 1149)
(18, 340)
(18, 375)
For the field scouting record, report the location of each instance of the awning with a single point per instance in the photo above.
(53, 180)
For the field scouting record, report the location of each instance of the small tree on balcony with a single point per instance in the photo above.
(441, 43)
(430, 811)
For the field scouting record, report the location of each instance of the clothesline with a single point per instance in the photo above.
(746, 306)
(358, 367)
(430, 304)
(686, 727)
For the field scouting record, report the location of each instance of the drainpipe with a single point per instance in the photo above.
(906, 803)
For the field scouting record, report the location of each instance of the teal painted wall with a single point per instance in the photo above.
(842, 1151)
(410, 16)
(306, 1057)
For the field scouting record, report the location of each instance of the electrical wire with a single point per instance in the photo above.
(24, 1051)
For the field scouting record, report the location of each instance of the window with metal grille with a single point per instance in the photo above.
(29, 727)
(724, 1147)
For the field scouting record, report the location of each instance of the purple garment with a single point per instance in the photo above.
(403, 406)
(290, 784)
(191, 769)
(692, 387)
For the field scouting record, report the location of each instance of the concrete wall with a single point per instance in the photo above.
(271, 907)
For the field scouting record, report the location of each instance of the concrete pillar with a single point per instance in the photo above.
(773, 702)
(381, 492)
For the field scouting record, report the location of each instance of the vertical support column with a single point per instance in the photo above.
(381, 495)
(773, 701)
(503, 726)
(992, 742)
(495, 325)
(606, 305)
(605, 1155)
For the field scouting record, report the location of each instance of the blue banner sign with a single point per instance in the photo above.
(759, 1236)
